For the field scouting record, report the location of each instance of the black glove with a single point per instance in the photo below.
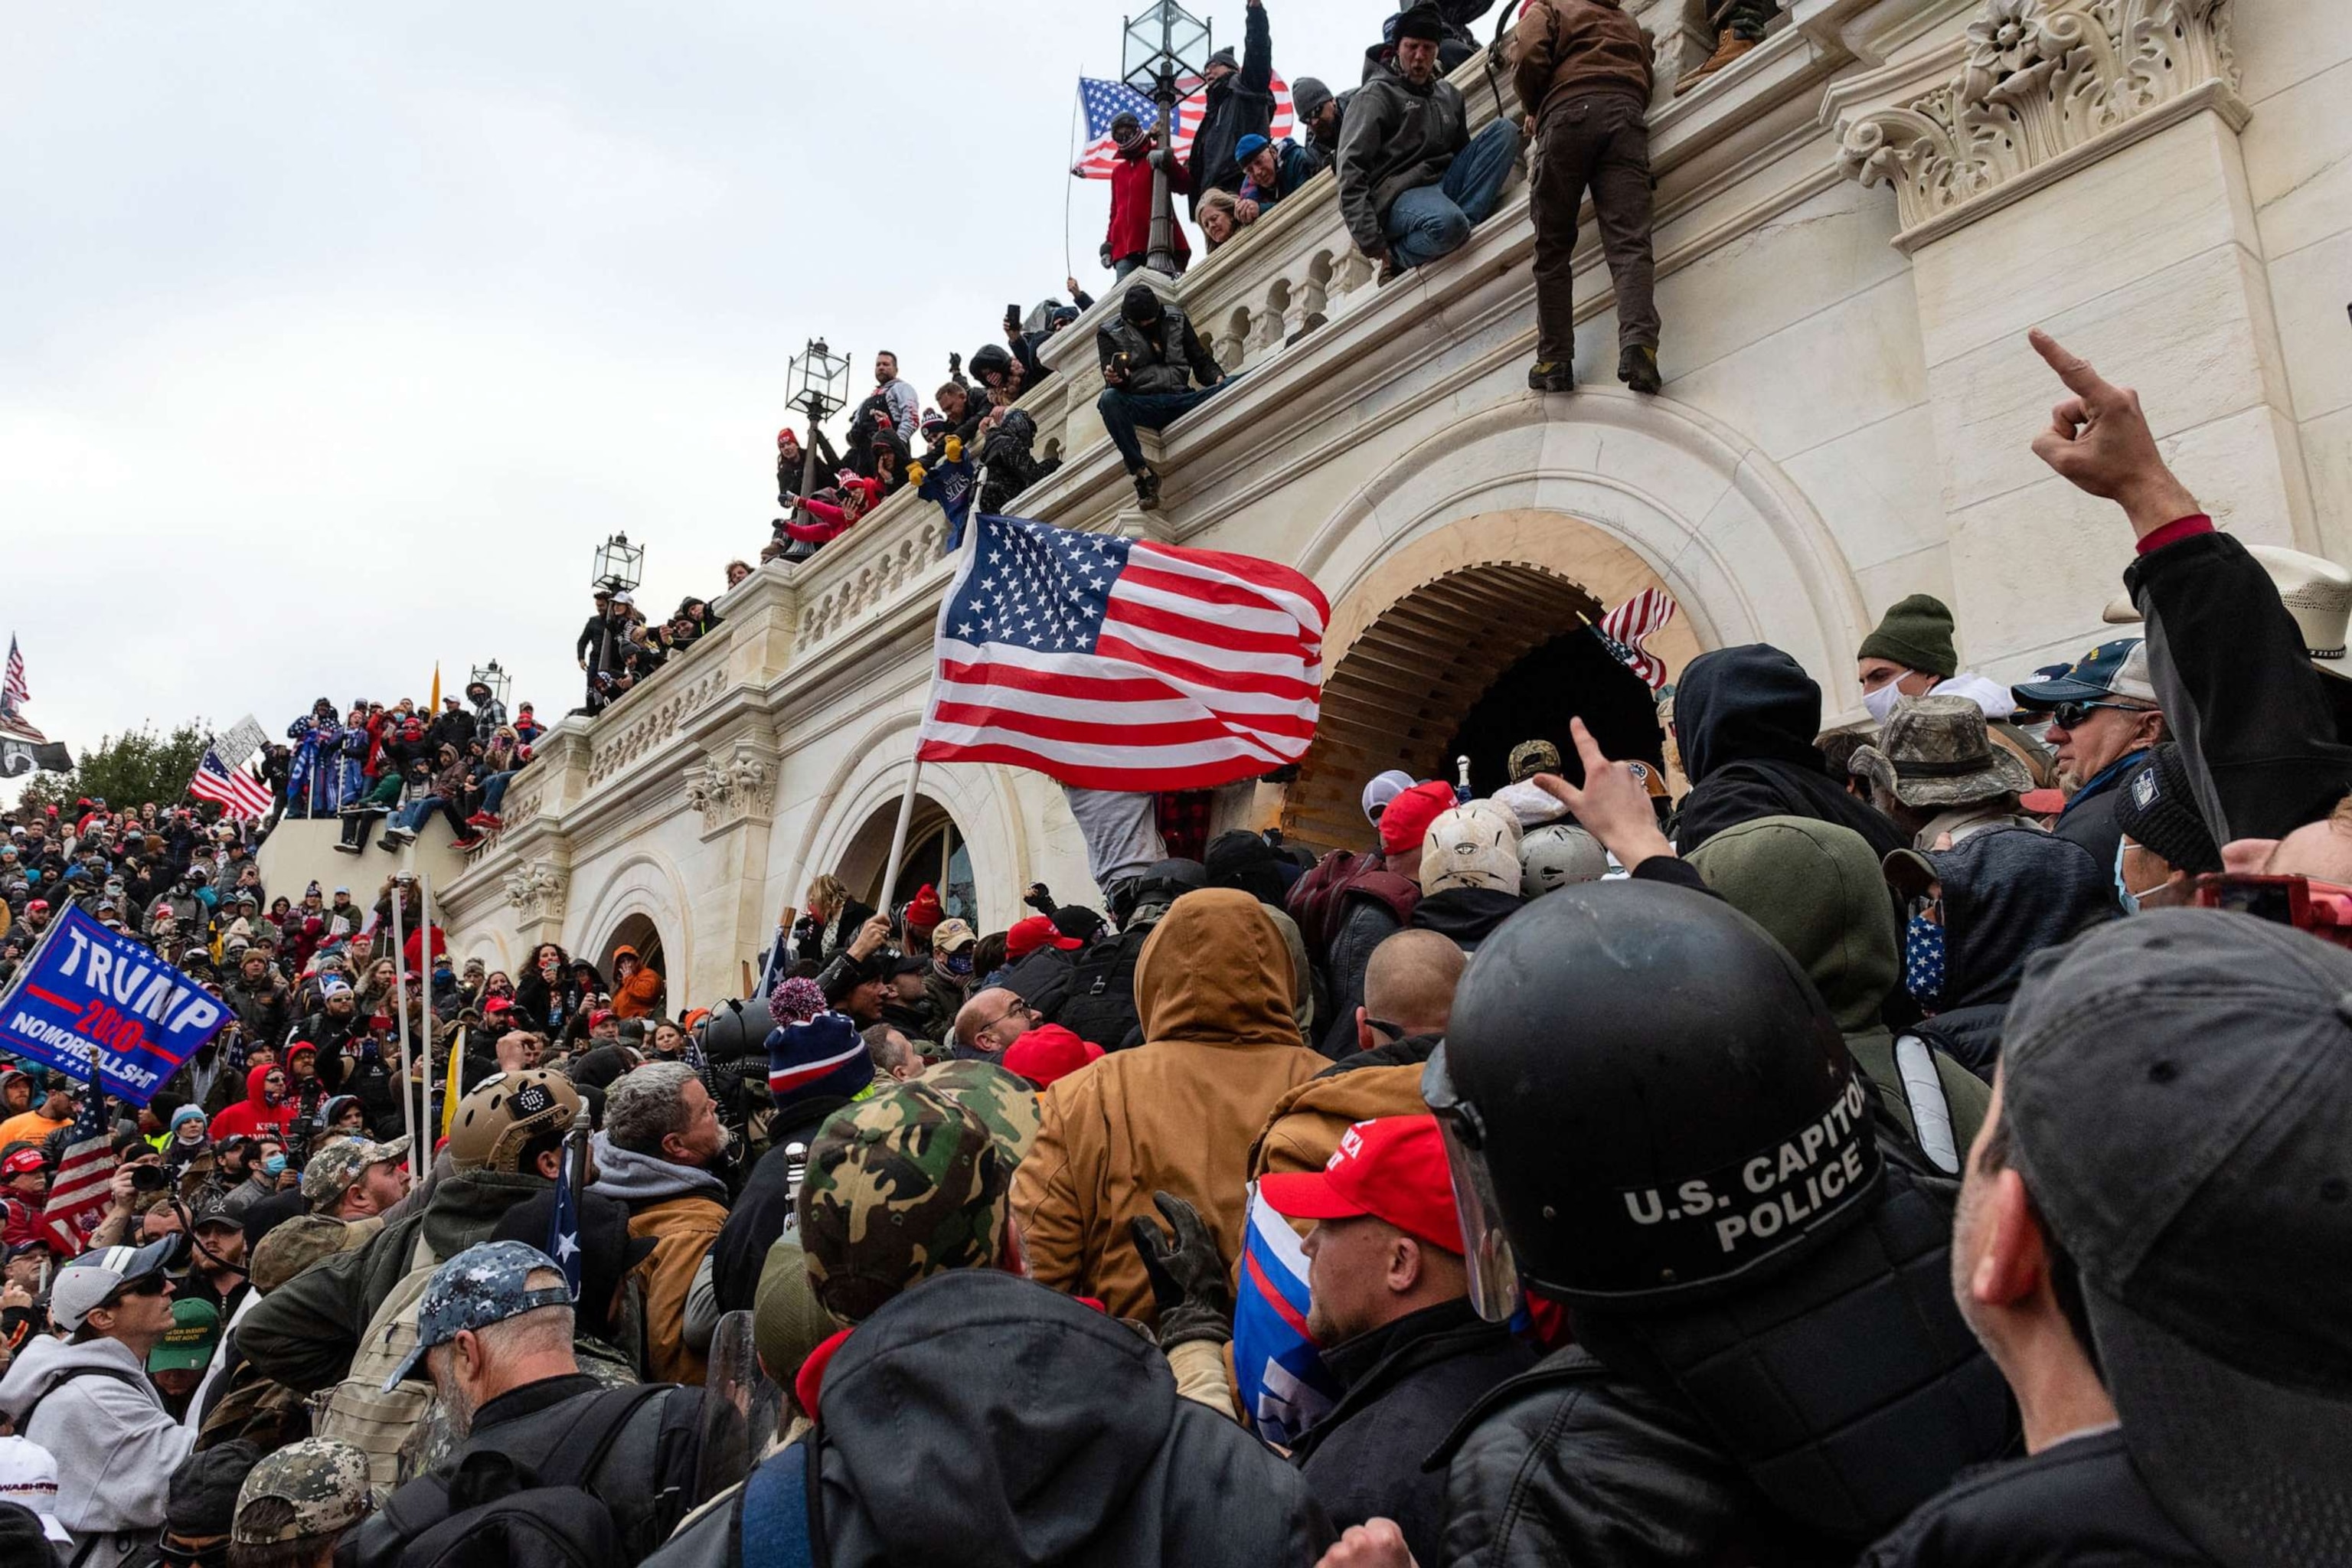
(1189, 1283)
(1105, 253)
(1038, 899)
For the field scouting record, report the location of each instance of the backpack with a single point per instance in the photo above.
(1043, 980)
(1317, 901)
(1100, 1003)
(494, 1509)
(357, 1410)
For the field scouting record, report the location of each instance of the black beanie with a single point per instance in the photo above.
(203, 1497)
(2154, 805)
(1246, 860)
(1917, 634)
(1139, 304)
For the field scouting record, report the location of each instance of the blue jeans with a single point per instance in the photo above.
(1124, 413)
(1431, 221)
(494, 790)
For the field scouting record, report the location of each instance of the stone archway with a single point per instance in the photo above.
(1427, 631)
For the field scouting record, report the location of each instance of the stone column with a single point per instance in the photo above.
(734, 788)
(2074, 164)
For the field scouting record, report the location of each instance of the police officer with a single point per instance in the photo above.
(1768, 1365)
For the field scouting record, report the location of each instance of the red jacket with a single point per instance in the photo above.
(1130, 203)
(253, 1114)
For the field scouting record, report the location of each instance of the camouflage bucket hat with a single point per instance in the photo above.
(901, 1186)
(998, 1099)
(1935, 750)
(315, 1486)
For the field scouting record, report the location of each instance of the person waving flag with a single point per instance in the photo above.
(1118, 664)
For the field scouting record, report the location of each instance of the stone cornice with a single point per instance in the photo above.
(2032, 91)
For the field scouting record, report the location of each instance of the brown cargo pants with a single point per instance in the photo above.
(1601, 143)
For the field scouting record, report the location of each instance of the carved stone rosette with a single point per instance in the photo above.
(2038, 80)
(728, 788)
(536, 889)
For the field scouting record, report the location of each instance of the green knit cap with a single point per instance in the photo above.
(1917, 634)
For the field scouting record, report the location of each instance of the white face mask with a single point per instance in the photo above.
(1881, 702)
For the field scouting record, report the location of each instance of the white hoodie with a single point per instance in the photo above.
(116, 1446)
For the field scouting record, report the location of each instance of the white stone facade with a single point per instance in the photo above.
(1856, 225)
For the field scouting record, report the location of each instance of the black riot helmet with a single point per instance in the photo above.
(1643, 1100)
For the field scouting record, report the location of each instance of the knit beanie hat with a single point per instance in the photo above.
(795, 1001)
(1406, 820)
(824, 1056)
(1916, 632)
(2154, 808)
(924, 912)
(1308, 97)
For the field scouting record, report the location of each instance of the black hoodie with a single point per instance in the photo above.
(1745, 719)
(987, 1419)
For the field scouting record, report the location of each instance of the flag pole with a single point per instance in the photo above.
(399, 1014)
(915, 774)
(423, 1029)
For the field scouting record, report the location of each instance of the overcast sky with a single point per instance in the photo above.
(333, 339)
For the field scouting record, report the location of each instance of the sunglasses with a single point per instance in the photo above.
(2074, 715)
(149, 1285)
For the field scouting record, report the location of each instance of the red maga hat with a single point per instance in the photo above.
(1027, 936)
(1391, 1169)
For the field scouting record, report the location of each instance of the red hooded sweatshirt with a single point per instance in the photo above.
(256, 1115)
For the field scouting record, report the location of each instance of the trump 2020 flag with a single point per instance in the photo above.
(1119, 664)
(101, 1006)
(1283, 1383)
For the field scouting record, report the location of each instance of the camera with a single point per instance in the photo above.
(148, 1179)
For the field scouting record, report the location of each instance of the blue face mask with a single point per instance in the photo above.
(958, 964)
(274, 1166)
(2123, 895)
(1922, 960)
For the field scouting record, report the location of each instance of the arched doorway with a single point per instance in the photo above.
(1466, 643)
(639, 933)
(935, 853)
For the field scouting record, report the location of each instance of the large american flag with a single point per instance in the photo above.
(1105, 100)
(1624, 629)
(1112, 664)
(237, 791)
(13, 689)
(78, 1194)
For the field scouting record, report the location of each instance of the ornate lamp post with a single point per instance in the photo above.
(1164, 46)
(495, 679)
(620, 567)
(816, 382)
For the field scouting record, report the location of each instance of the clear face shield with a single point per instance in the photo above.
(1494, 1273)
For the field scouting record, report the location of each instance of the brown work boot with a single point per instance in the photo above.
(1728, 47)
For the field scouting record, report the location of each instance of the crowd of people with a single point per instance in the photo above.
(1920, 1142)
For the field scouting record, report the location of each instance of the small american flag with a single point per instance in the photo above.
(1103, 102)
(237, 791)
(1112, 664)
(1624, 629)
(13, 689)
(563, 1234)
(79, 1194)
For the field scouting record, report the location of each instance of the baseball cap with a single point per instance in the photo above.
(953, 936)
(487, 1283)
(1383, 788)
(2117, 668)
(901, 1187)
(188, 1344)
(1393, 1169)
(323, 1483)
(505, 1112)
(2192, 1165)
(98, 1276)
(28, 1478)
(1038, 931)
(600, 1016)
(996, 1097)
(1406, 819)
(27, 1160)
(333, 1169)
